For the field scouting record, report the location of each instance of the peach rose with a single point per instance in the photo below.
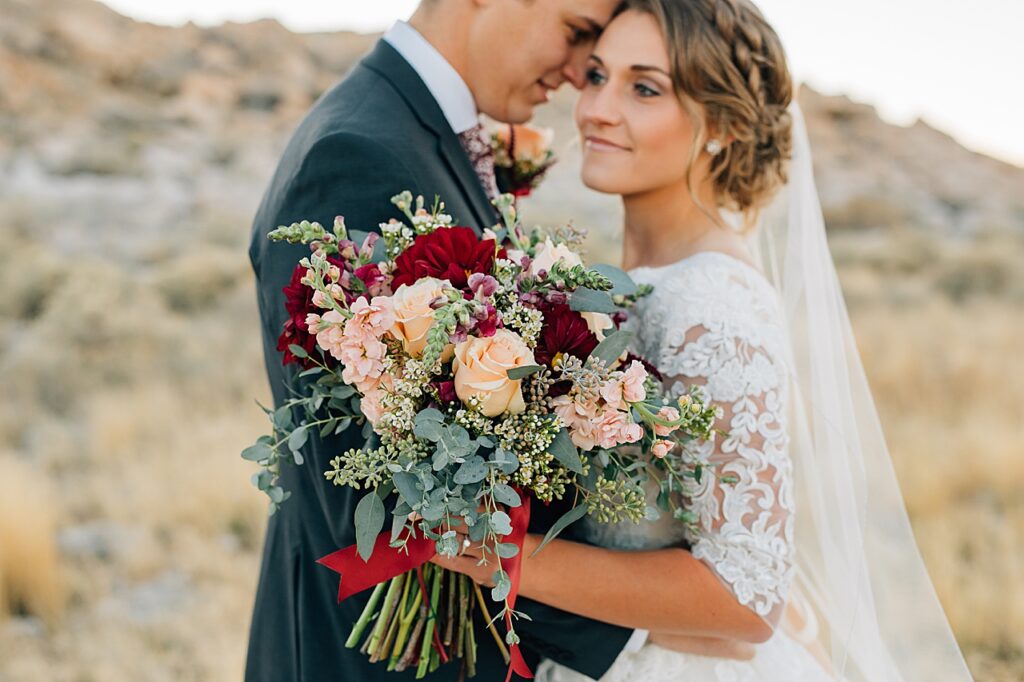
(598, 323)
(413, 314)
(548, 253)
(532, 144)
(481, 369)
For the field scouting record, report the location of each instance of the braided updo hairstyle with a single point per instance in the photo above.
(727, 60)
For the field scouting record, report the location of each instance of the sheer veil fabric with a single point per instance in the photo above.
(858, 566)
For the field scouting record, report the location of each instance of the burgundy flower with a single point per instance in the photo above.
(452, 253)
(298, 300)
(446, 391)
(372, 277)
(564, 332)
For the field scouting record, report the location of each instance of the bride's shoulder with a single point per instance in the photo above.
(713, 290)
(705, 275)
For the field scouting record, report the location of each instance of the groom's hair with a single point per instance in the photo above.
(726, 59)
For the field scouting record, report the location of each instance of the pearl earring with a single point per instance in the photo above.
(713, 147)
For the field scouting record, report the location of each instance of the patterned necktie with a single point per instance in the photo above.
(477, 144)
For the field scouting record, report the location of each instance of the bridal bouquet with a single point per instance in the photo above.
(487, 371)
(522, 156)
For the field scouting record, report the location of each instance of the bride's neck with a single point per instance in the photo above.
(664, 225)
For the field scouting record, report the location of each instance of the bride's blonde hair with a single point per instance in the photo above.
(728, 61)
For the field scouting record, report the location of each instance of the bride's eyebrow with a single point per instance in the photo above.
(644, 67)
(636, 67)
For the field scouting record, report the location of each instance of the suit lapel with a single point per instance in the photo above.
(390, 65)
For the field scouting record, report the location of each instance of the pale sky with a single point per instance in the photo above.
(956, 65)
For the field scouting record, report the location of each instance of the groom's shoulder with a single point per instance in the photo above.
(365, 104)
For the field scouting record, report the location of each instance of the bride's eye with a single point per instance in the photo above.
(645, 90)
(594, 76)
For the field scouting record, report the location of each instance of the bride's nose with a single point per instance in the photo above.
(599, 106)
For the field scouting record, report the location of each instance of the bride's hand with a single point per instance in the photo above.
(472, 560)
(704, 646)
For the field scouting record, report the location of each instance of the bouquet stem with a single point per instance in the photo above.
(364, 617)
(430, 634)
(490, 624)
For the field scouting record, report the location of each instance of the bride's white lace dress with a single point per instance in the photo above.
(713, 320)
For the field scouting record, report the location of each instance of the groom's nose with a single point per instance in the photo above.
(575, 70)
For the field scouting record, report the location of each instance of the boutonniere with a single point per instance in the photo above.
(522, 155)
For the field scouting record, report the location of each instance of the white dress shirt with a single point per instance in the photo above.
(444, 82)
(459, 108)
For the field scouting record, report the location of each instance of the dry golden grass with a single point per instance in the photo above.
(30, 581)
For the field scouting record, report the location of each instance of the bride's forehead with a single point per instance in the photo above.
(633, 38)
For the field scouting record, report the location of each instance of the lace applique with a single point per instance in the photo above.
(713, 321)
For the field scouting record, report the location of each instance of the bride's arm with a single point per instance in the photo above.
(734, 581)
(665, 590)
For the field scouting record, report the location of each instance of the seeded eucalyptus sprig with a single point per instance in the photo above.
(313, 233)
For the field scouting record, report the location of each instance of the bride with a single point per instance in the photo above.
(805, 568)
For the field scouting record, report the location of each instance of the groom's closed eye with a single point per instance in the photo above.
(583, 31)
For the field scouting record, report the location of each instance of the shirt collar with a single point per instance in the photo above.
(444, 82)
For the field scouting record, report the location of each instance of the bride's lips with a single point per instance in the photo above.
(599, 144)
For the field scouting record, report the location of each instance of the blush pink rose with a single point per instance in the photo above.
(481, 368)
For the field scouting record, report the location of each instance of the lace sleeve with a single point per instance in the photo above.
(744, 528)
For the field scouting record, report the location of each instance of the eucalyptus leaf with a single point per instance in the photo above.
(502, 585)
(342, 391)
(506, 495)
(298, 351)
(283, 418)
(614, 345)
(428, 424)
(369, 519)
(563, 450)
(501, 523)
(398, 523)
(472, 470)
(440, 459)
(456, 442)
(507, 550)
(567, 519)
(506, 461)
(434, 511)
(298, 438)
(408, 487)
(585, 300)
(257, 452)
(524, 371)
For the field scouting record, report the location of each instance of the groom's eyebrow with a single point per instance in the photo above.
(593, 26)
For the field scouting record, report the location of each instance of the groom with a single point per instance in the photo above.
(406, 117)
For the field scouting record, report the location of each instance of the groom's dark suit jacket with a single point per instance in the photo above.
(376, 133)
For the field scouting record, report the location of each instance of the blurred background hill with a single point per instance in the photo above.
(132, 157)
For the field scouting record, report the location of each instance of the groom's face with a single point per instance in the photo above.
(521, 50)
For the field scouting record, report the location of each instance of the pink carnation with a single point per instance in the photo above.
(633, 379)
(661, 448)
(669, 414)
(613, 428)
(356, 343)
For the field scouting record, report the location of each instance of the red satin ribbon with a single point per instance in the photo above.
(387, 562)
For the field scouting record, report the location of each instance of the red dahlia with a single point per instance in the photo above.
(564, 332)
(452, 253)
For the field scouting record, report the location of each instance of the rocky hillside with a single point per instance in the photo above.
(126, 130)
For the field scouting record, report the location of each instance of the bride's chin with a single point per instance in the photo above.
(605, 183)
